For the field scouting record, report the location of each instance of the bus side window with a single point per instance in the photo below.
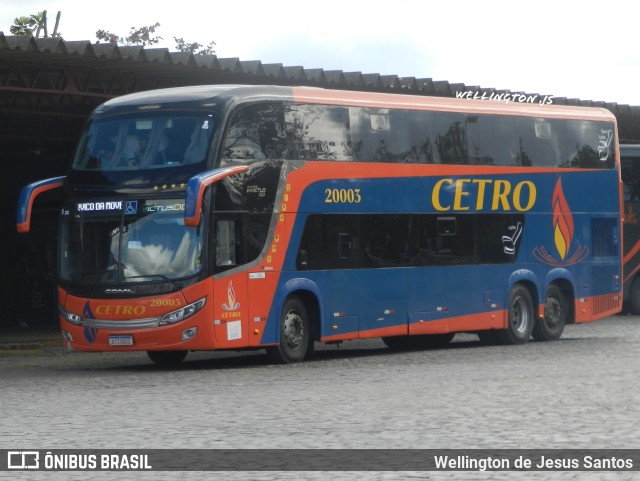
(226, 243)
(450, 138)
(491, 140)
(329, 242)
(317, 132)
(256, 132)
(534, 143)
(243, 143)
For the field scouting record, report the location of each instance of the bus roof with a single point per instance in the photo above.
(208, 93)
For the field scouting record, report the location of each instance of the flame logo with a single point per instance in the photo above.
(231, 304)
(563, 230)
(562, 221)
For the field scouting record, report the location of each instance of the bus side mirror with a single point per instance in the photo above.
(196, 187)
(28, 196)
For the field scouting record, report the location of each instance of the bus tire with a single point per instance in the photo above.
(521, 317)
(634, 297)
(550, 327)
(295, 334)
(167, 358)
(421, 341)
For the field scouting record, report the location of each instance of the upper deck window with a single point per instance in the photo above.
(144, 142)
(288, 131)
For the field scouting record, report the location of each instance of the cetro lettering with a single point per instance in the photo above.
(115, 310)
(483, 195)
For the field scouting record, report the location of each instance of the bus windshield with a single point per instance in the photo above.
(148, 243)
(144, 142)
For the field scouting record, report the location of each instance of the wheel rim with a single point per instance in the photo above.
(552, 311)
(293, 331)
(520, 315)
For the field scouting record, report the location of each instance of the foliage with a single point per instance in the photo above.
(34, 24)
(194, 48)
(37, 23)
(137, 36)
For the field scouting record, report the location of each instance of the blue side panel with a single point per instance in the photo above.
(378, 295)
(474, 193)
(556, 242)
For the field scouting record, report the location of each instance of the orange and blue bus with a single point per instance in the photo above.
(237, 217)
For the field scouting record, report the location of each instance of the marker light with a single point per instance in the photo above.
(183, 313)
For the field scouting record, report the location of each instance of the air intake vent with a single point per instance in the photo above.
(604, 237)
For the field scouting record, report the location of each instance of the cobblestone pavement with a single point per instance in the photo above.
(579, 392)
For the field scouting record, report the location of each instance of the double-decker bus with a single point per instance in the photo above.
(233, 217)
(630, 165)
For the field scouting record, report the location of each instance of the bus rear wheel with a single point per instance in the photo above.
(295, 334)
(167, 358)
(423, 341)
(521, 317)
(550, 327)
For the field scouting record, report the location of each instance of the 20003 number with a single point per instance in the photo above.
(342, 196)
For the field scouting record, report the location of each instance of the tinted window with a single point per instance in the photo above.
(317, 132)
(329, 242)
(350, 241)
(321, 132)
(238, 238)
(144, 142)
(492, 140)
(256, 132)
(631, 177)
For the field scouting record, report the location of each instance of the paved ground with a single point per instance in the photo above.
(579, 392)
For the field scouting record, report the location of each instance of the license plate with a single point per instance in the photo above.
(121, 340)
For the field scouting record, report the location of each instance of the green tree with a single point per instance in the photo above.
(137, 36)
(35, 24)
(195, 48)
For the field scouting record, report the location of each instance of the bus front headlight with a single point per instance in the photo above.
(184, 313)
(70, 316)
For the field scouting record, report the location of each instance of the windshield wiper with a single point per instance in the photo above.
(149, 276)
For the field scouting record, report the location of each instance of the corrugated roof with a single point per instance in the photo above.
(139, 58)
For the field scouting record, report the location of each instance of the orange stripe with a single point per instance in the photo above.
(444, 104)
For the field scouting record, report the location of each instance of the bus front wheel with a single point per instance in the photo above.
(521, 317)
(295, 334)
(550, 327)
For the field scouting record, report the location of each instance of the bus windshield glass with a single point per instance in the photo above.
(144, 142)
(148, 243)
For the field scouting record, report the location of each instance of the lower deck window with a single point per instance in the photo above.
(351, 241)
